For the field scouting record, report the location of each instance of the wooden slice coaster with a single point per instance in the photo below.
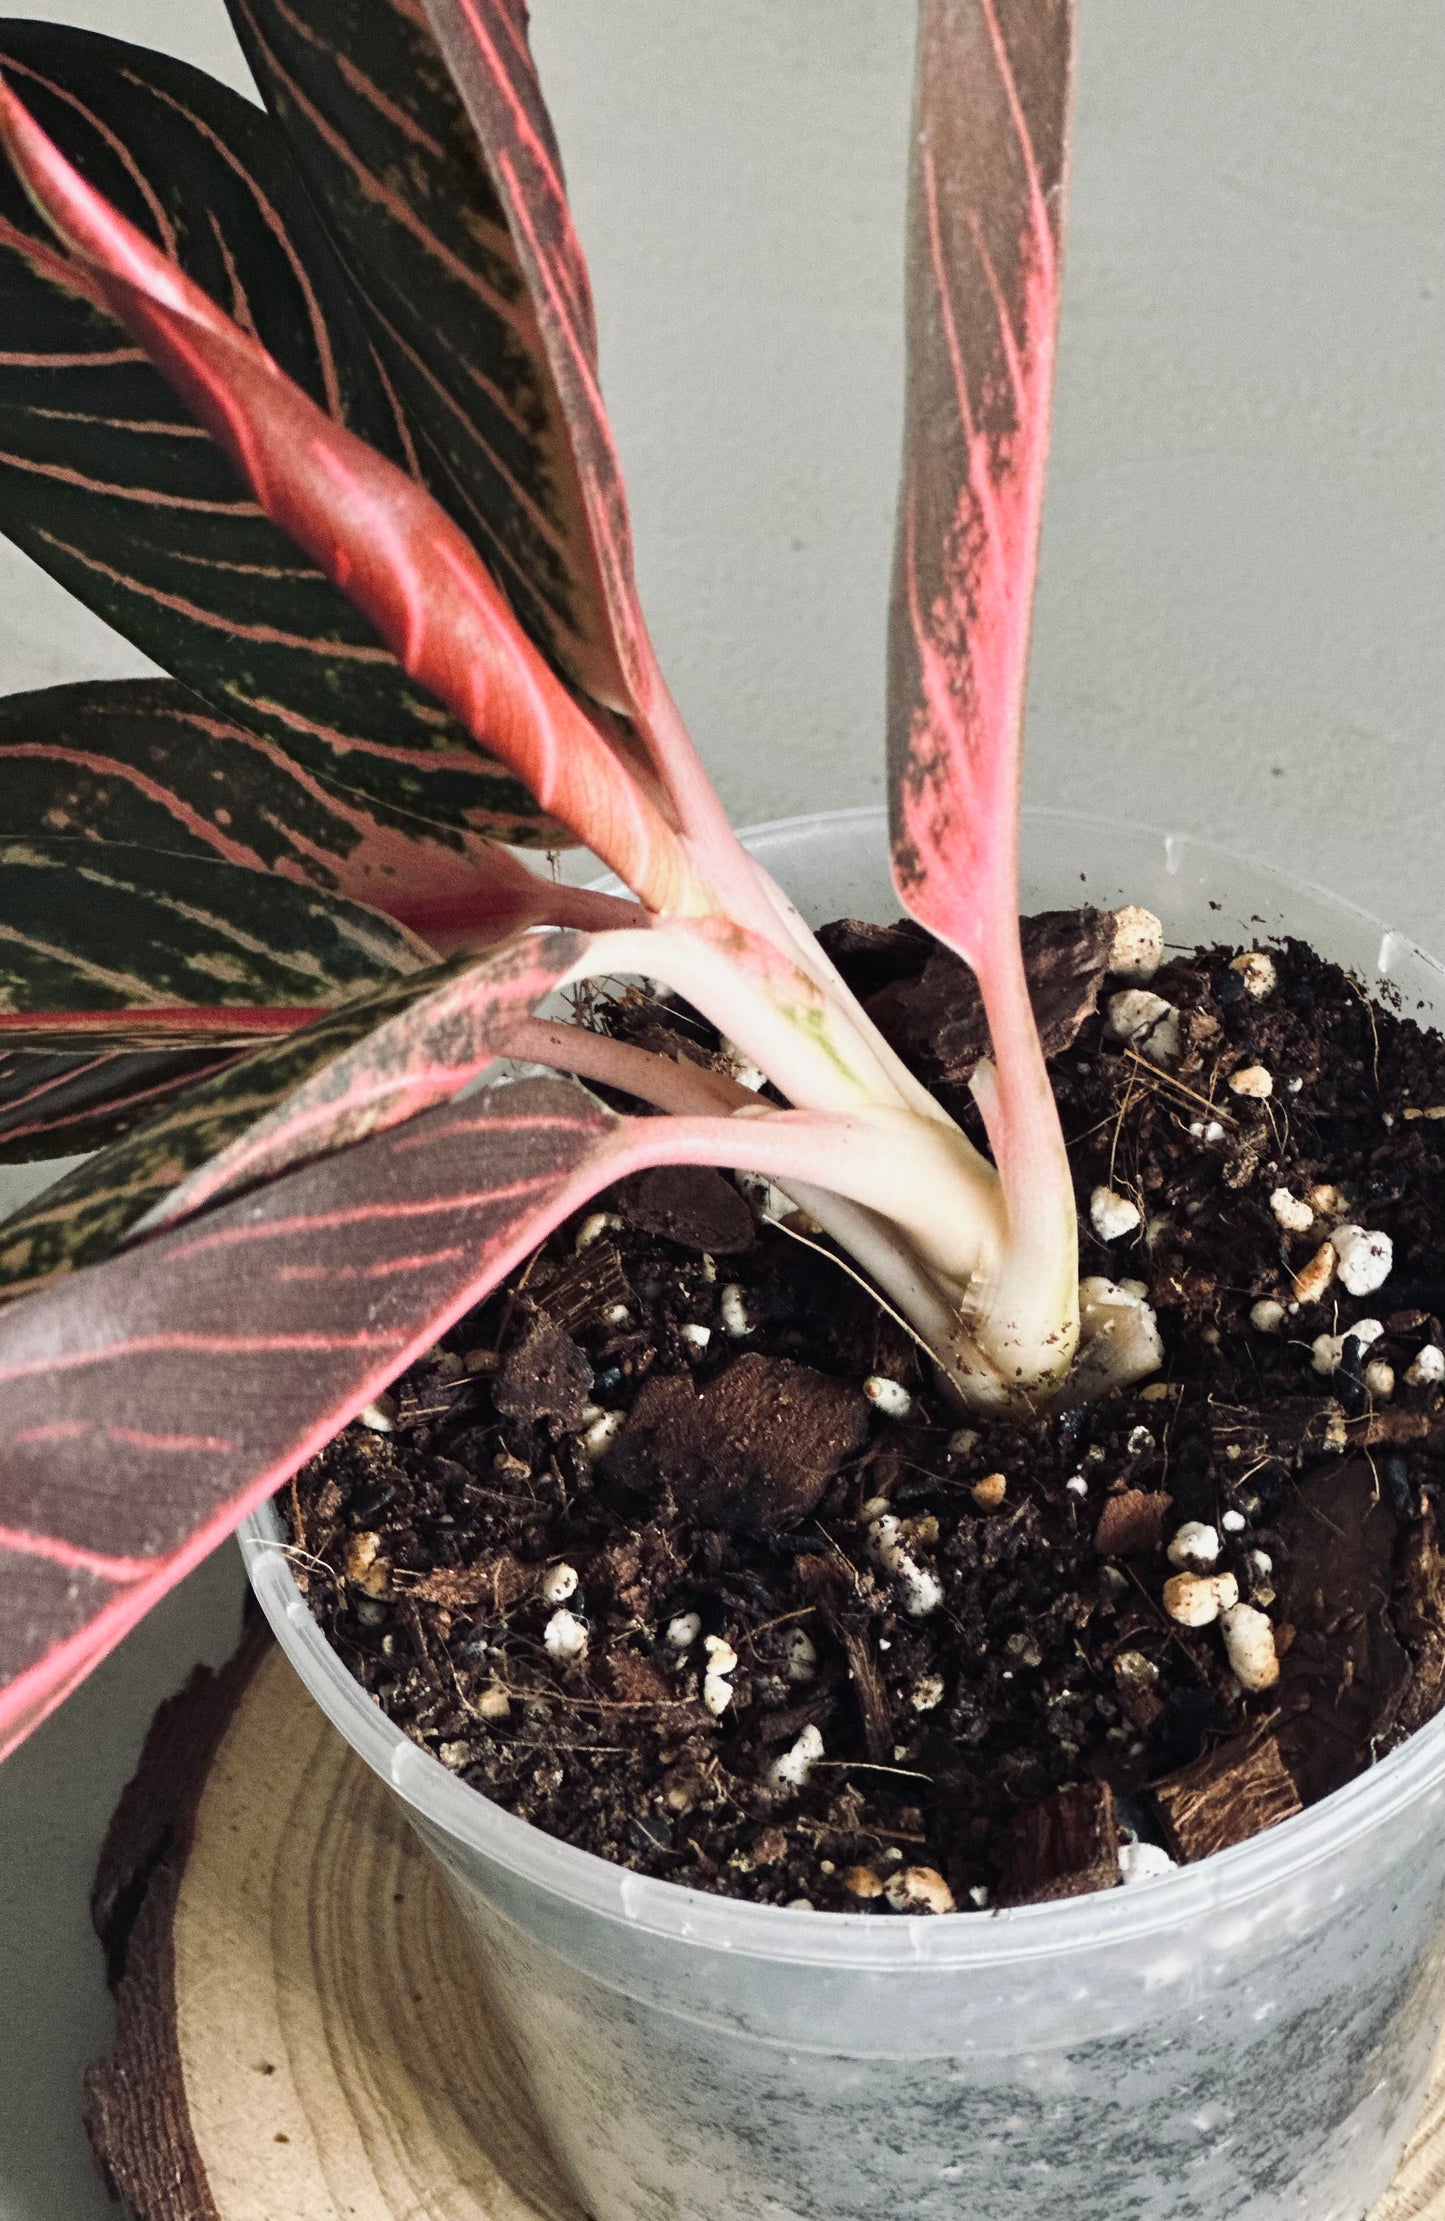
(300, 2036)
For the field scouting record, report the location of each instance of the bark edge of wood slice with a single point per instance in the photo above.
(300, 2034)
(300, 2028)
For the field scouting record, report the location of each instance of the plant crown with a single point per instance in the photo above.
(305, 402)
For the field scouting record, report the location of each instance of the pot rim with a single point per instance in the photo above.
(1217, 1884)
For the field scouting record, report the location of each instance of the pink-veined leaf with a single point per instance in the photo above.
(148, 763)
(985, 227)
(426, 143)
(56, 1104)
(112, 769)
(161, 866)
(129, 972)
(394, 552)
(108, 482)
(983, 301)
(426, 1053)
(485, 46)
(86, 1215)
(148, 1404)
(393, 164)
(109, 945)
(380, 1059)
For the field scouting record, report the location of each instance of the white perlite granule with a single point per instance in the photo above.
(1365, 1258)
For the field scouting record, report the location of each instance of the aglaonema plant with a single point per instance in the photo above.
(306, 402)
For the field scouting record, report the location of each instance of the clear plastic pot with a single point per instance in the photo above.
(1246, 2040)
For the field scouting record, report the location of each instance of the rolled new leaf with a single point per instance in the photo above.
(108, 482)
(394, 552)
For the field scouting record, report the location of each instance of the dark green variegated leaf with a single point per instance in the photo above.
(488, 56)
(394, 163)
(109, 483)
(379, 535)
(85, 1216)
(58, 1105)
(104, 945)
(378, 1061)
(146, 761)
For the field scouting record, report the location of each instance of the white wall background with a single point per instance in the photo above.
(1239, 619)
(1239, 628)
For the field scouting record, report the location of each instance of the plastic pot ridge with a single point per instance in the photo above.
(1247, 2040)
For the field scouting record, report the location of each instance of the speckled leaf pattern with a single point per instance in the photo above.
(118, 946)
(108, 481)
(147, 762)
(484, 44)
(85, 1216)
(984, 244)
(418, 205)
(147, 1405)
(423, 1051)
(56, 1105)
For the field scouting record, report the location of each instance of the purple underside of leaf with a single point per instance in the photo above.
(378, 535)
(983, 302)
